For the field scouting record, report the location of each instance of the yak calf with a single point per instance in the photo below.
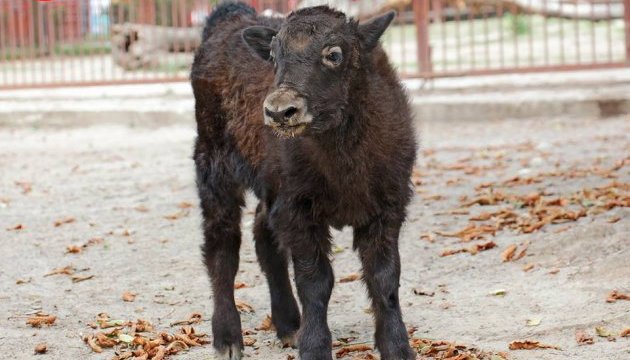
(306, 112)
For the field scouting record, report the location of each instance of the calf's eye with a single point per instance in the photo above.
(333, 56)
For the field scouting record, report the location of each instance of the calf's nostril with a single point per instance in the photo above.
(288, 113)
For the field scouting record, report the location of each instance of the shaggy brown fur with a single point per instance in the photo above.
(350, 167)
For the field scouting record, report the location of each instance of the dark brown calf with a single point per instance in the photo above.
(308, 113)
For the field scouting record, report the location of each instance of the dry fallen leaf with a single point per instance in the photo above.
(603, 332)
(613, 219)
(528, 267)
(583, 338)
(239, 285)
(180, 214)
(471, 232)
(625, 332)
(249, 341)
(350, 278)
(40, 319)
(66, 270)
(244, 307)
(266, 325)
(352, 348)
(530, 345)
(73, 249)
(473, 250)
(616, 295)
(533, 321)
(128, 296)
(25, 185)
(41, 348)
(193, 318)
(63, 221)
(16, 227)
(508, 253)
(554, 271)
(184, 205)
(79, 278)
(422, 292)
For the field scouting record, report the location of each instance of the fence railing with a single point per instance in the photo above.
(86, 42)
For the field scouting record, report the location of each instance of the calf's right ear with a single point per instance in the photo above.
(258, 38)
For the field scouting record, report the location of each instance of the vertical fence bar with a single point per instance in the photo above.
(576, 23)
(4, 52)
(609, 31)
(471, 24)
(593, 42)
(500, 14)
(421, 17)
(51, 41)
(626, 18)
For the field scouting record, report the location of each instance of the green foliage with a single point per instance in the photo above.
(517, 24)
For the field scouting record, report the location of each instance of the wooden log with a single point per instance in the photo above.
(136, 46)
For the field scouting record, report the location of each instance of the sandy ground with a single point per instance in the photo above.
(119, 183)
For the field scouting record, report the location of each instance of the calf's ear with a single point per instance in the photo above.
(258, 38)
(372, 30)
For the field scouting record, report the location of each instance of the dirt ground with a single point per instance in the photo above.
(126, 185)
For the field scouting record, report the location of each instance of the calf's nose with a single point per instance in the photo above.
(283, 115)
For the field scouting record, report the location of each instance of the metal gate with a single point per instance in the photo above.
(93, 42)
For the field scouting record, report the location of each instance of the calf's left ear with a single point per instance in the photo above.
(258, 38)
(372, 30)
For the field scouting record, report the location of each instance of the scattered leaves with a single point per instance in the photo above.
(443, 350)
(530, 345)
(138, 340)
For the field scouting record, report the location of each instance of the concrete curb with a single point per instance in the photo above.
(465, 99)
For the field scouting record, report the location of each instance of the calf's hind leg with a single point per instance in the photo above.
(221, 201)
(274, 263)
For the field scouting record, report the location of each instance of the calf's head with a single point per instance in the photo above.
(316, 55)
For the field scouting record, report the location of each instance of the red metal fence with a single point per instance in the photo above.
(86, 42)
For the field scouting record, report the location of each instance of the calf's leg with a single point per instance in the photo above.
(378, 248)
(309, 243)
(285, 314)
(221, 201)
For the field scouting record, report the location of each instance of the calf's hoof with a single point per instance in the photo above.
(289, 341)
(230, 352)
